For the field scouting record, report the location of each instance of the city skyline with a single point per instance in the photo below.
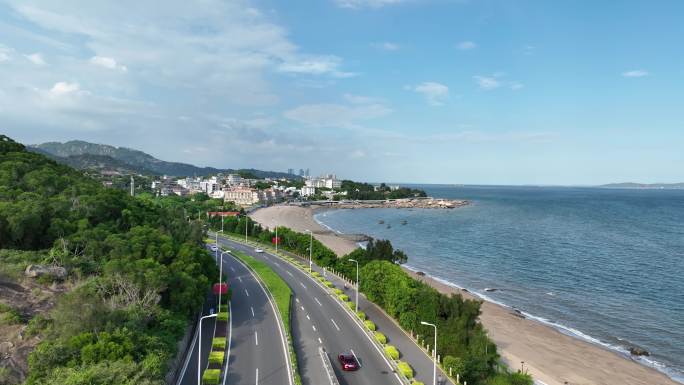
(403, 91)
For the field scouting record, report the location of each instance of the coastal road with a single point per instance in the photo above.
(319, 320)
(256, 342)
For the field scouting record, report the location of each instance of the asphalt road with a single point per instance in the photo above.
(257, 348)
(319, 320)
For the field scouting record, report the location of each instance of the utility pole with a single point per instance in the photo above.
(132, 186)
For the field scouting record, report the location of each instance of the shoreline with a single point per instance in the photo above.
(550, 355)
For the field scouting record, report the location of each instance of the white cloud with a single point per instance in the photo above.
(336, 115)
(356, 4)
(466, 45)
(435, 93)
(635, 74)
(5, 53)
(315, 65)
(487, 82)
(387, 46)
(359, 99)
(496, 80)
(36, 58)
(64, 88)
(107, 62)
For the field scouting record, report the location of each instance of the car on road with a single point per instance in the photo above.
(348, 362)
(214, 248)
(258, 250)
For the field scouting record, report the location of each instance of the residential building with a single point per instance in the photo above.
(307, 191)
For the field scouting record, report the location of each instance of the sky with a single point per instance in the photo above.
(422, 91)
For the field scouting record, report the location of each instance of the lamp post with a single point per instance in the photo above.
(221, 223)
(246, 222)
(277, 240)
(221, 278)
(357, 283)
(199, 353)
(434, 355)
(310, 249)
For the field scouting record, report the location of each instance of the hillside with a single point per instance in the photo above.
(84, 155)
(96, 287)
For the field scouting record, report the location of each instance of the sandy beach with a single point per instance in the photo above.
(550, 356)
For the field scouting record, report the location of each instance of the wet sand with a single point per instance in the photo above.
(549, 355)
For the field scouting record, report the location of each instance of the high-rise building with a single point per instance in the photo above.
(307, 172)
(290, 171)
(301, 172)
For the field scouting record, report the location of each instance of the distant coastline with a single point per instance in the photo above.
(653, 186)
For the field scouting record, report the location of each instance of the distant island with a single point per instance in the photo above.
(632, 185)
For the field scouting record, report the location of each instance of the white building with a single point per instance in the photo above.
(329, 181)
(234, 179)
(245, 196)
(307, 191)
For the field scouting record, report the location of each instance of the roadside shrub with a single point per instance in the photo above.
(211, 376)
(216, 357)
(417, 383)
(351, 305)
(405, 369)
(219, 343)
(343, 297)
(392, 352)
(361, 315)
(338, 291)
(316, 274)
(380, 338)
(370, 325)
(222, 316)
(322, 279)
(328, 283)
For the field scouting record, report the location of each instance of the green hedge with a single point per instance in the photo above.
(328, 283)
(316, 274)
(211, 376)
(405, 369)
(343, 297)
(351, 305)
(322, 279)
(218, 343)
(216, 357)
(392, 352)
(222, 316)
(338, 291)
(361, 315)
(380, 338)
(417, 383)
(370, 325)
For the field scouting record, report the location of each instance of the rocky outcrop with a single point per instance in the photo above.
(637, 351)
(54, 272)
(409, 203)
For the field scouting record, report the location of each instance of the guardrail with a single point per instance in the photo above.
(328, 366)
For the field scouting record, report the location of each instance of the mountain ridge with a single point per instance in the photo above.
(86, 155)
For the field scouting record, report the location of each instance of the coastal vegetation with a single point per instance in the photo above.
(366, 191)
(127, 273)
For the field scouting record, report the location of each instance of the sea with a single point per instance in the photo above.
(602, 265)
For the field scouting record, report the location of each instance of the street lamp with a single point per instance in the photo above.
(277, 240)
(221, 278)
(434, 355)
(357, 283)
(199, 353)
(246, 222)
(310, 249)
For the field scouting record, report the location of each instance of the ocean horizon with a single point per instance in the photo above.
(602, 265)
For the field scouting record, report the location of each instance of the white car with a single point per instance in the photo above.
(258, 250)
(214, 248)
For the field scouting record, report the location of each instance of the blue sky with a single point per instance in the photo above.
(436, 91)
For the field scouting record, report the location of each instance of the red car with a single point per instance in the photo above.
(348, 362)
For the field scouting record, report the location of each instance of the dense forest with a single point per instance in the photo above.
(136, 268)
(462, 341)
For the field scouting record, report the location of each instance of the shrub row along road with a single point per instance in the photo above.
(319, 320)
(257, 348)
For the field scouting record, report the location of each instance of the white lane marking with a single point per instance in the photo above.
(297, 299)
(246, 292)
(314, 327)
(319, 341)
(303, 285)
(289, 273)
(232, 269)
(302, 307)
(187, 358)
(336, 327)
(240, 279)
(256, 338)
(307, 317)
(257, 376)
(277, 264)
(318, 302)
(252, 310)
(355, 357)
